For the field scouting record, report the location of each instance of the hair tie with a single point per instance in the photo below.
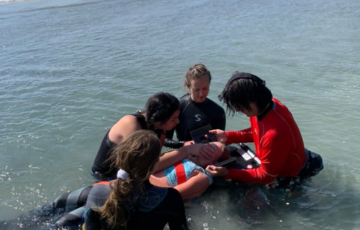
(122, 174)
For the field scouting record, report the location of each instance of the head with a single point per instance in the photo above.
(137, 155)
(197, 80)
(162, 111)
(219, 152)
(246, 93)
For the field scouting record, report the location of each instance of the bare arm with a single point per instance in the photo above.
(123, 128)
(169, 158)
(194, 187)
(189, 151)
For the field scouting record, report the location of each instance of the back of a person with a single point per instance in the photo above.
(154, 209)
(283, 123)
(161, 207)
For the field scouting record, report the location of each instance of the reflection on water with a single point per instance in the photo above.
(69, 69)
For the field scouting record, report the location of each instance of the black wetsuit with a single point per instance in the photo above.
(154, 209)
(193, 116)
(102, 166)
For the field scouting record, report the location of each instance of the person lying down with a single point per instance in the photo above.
(188, 176)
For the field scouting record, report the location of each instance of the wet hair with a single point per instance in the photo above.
(137, 155)
(196, 72)
(160, 107)
(243, 89)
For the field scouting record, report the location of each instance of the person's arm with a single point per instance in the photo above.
(169, 158)
(123, 128)
(173, 143)
(244, 135)
(193, 187)
(274, 149)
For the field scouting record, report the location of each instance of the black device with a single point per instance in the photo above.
(246, 157)
(202, 135)
(226, 162)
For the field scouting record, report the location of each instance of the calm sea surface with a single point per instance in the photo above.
(69, 69)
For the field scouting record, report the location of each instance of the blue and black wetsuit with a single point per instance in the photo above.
(193, 116)
(153, 210)
(102, 166)
(65, 212)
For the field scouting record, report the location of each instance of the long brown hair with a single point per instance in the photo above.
(137, 155)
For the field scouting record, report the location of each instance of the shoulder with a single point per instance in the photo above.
(184, 99)
(280, 107)
(128, 118)
(126, 125)
(214, 105)
(278, 125)
(125, 121)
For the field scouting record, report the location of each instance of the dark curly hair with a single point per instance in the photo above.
(243, 89)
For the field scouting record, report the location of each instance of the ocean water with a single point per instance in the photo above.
(70, 69)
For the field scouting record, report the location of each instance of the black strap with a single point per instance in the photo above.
(141, 119)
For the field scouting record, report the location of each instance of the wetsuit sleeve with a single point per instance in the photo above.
(170, 143)
(274, 150)
(173, 143)
(244, 135)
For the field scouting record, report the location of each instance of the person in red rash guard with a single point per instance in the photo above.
(276, 136)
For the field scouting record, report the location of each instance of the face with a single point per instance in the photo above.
(249, 113)
(171, 123)
(199, 89)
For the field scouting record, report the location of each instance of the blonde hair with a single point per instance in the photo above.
(137, 155)
(196, 72)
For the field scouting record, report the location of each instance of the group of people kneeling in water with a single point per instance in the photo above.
(142, 188)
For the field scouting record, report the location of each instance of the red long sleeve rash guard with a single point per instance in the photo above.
(278, 144)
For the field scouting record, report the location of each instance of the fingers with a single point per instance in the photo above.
(207, 151)
(210, 167)
(189, 143)
(220, 134)
(214, 131)
(216, 171)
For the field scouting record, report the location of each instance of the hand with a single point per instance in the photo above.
(207, 151)
(220, 135)
(216, 171)
(201, 154)
(189, 143)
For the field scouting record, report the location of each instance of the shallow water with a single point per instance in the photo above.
(70, 69)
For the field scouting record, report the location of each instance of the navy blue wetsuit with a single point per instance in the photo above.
(193, 116)
(102, 166)
(153, 210)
